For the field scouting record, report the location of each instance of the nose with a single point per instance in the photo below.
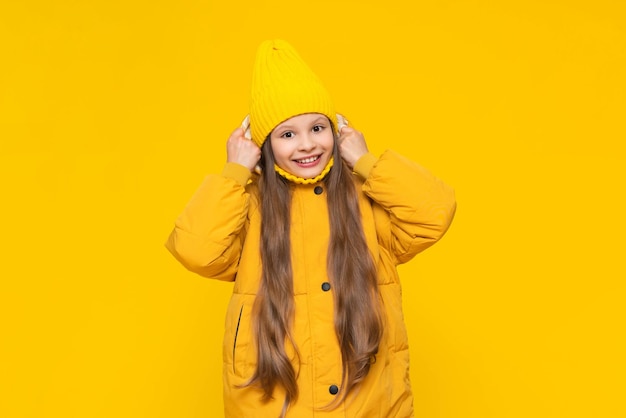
(307, 143)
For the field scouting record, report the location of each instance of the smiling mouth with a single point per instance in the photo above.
(308, 160)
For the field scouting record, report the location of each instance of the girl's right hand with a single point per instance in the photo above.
(241, 150)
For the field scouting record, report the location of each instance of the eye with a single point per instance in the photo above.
(287, 134)
(318, 128)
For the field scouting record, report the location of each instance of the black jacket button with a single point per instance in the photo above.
(325, 286)
(333, 389)
(318, 190)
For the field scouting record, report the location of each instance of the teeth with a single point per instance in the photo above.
(307, 160)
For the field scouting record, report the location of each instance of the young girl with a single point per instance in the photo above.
(314, 327)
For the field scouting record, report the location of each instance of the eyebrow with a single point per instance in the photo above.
(314, 121)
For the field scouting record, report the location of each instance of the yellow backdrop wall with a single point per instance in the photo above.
(111, 113)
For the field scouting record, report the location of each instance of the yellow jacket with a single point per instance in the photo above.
(405, 209)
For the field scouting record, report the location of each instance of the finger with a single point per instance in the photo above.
(345, 130)
(237, 132)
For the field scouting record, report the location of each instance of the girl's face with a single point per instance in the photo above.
(303, 144)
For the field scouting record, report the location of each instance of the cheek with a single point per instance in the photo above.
(281, 151)
(329, 140)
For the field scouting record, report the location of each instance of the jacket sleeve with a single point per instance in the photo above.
(418, 206)
(208, 236)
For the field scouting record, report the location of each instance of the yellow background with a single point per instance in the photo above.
(111, 113)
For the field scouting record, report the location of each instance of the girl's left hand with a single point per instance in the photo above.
(352, 145)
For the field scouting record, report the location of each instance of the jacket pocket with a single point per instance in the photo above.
(237, 345)
(235, 339)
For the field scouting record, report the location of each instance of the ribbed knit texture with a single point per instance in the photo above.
(284, 86)
(300, 180)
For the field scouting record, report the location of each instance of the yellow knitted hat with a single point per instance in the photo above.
(283, 86)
